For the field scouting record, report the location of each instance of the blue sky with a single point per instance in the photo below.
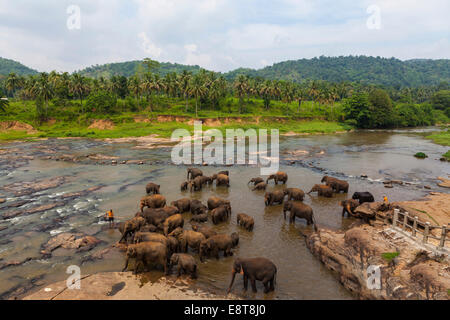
(219, 35)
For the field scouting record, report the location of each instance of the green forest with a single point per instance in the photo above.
(119, 92)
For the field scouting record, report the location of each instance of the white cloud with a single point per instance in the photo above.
(218, 34)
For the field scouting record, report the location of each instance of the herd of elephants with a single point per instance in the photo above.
(156, 235)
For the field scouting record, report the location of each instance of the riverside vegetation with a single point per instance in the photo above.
(64, 105)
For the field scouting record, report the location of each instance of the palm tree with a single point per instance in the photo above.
(79, 87)
(197, 89)
(183, 82)
(43, 89)
(134, 85)
(241, 86)
(12, 83)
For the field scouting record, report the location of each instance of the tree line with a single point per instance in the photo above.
(206, 89)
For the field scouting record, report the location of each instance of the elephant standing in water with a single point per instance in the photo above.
(336, 184)
(294, 194)
(146, 253)
(322, 190)
(363, 197)
(349, 206)
(152, 188)
(299, 210)
(276, 196)
(186, 263)
(153, 201)
(256, 181)
(192, 173)
(278, 177)
(260, 269)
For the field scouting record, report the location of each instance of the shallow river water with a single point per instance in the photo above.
(379, 155)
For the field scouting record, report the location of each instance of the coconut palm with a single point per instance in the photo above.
(12, 83)
(43, 88)
(4, 103)
(241, 87)
(197, 89)
(79, 87)
(183, 83)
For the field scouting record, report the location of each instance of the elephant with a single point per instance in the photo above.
(173, 222)
(197, 207)
(152, 188)
(213, 245)
(189, 238)
(130, 227)
(260, 186)
(220, 214)
(155, 217)
(226, 173)
(235, 239)
(184, 186)
(299, 210)
(171, 244)
(148, 228)
(294, 194)
(200, 218)
(186, 264)
(279, 176)
(256, 181)
(260, 269)
(146, 253)
(183, 205)
(206, 231)
(348, 206)
(322, 190)
(363, 197)
(221, 180)
(336, 184)
(192, 173)
(276, 196)
(206, 180)
(245, 221)
(215, 202)
(196, 184)
(153, 201)
(170, 210)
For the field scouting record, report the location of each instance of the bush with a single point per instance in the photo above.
(101, 102)
(420, 155)
(441, 101)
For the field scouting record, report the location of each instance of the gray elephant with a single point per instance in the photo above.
(294, 194)
(192, 173)
(322, 190)
(186, 264)
(336, 184)
(221, 180)
(215, 202)
(278, 177)
(256, 181)
(197, 207)
(213, 245)
(152, 188)
(183, 205)
(348, 206)
(196, 184)
(221, 214)
(188, 239)
(206, 231)
(130, 227)
(272, 197)
(245, 221)
(173, 222)
(299, 210)
(200, 218)
(260, 186)
(255, 269)
(147, 253)
(153, 201)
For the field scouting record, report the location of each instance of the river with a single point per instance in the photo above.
(381, 155)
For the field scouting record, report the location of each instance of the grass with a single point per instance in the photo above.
(442, 138)
(389, 256)
(312, 118)
(437, 223)
(447, 155)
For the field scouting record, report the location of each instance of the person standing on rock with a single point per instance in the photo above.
(110, 218)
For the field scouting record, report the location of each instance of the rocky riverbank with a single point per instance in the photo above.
(409, 270)
(126, 286)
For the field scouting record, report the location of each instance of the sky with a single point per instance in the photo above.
(219, 35)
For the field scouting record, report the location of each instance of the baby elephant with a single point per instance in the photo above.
(184, 186)
(349, 206)
(186, 264)
(152, 188)
(260, 186)
(245, 221)
(256, 181)
(322, 190)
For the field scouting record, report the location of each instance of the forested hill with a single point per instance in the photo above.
(389, 72)
(129, 68)
(10, 66)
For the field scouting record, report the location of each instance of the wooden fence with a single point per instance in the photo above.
(412, 224)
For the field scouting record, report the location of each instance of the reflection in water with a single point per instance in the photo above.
(380, 155)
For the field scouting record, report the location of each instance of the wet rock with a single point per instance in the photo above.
(399, 182)
(13, 263)
(3, 228)
(17, 204)
(76, 241)
(350, 253)
(445, 182)
(41, 208)
(78, 194)
(427, 187)
(27, 188)
(364, 175)
(389, 186)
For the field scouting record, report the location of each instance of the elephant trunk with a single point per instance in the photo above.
(126, 266)
(232, 281)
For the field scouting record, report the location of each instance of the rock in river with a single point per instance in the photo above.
(76, 241)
